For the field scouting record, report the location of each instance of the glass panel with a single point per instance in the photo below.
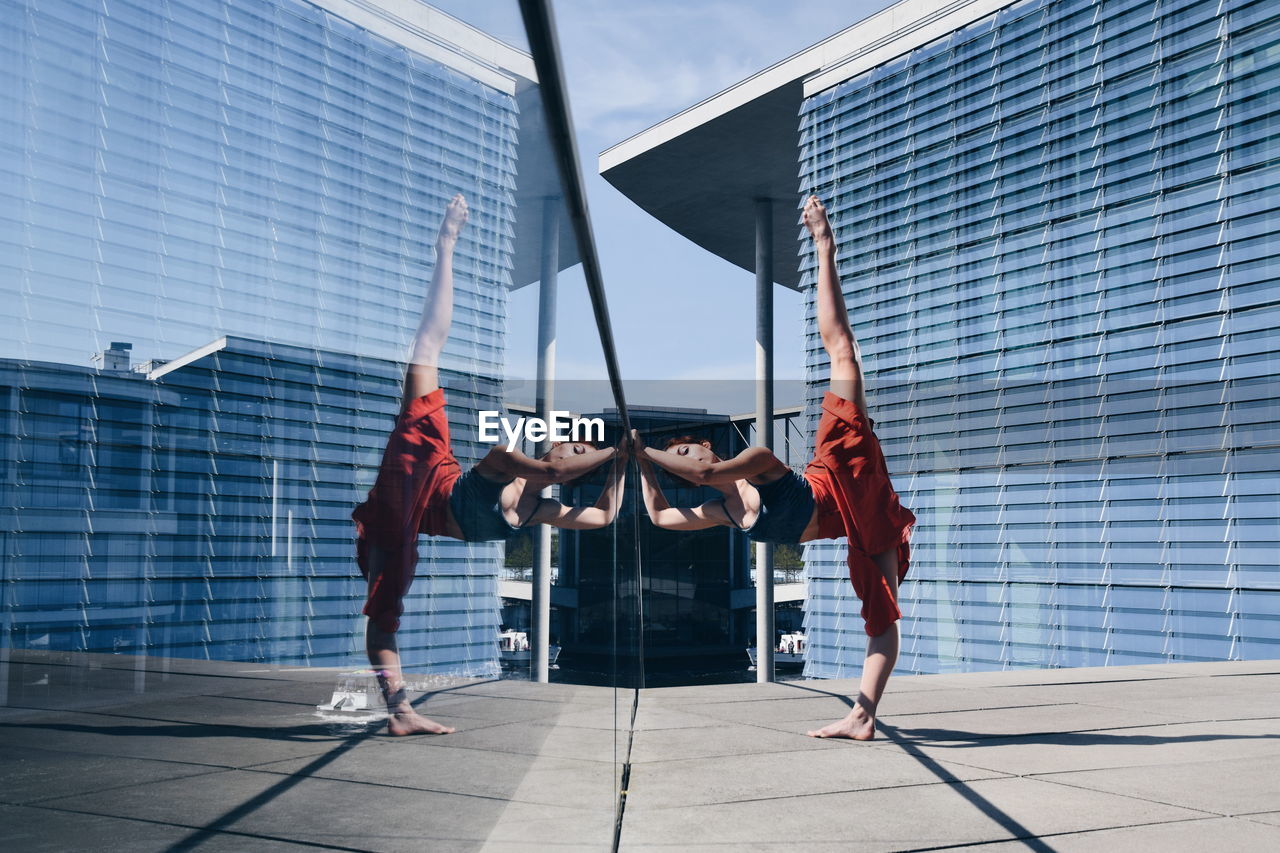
(319, 253)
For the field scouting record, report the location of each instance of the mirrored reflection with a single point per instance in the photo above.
(270, 263)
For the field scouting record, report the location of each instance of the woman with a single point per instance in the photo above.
(845, 491)
(421, 488)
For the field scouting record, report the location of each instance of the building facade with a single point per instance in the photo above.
(1057, 225)
(268, 176)
(202, 510)
(1058, 242)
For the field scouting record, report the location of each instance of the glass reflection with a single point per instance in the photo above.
(222, 222)
(421, 488)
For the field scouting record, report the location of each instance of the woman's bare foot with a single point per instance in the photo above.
(815, 219)
(410, 722)
(401, 718)
(857, 725)
(455, 216)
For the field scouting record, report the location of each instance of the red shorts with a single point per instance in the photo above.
(855, 499)
(410, 496)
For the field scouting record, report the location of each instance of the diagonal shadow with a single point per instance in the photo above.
(304, 734)
(215, 826)
(953, 739)
(981, 803)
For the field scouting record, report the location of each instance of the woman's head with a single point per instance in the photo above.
(695, 447)
(568, 449)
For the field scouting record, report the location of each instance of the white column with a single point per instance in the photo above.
(540, 603)
(764, 427)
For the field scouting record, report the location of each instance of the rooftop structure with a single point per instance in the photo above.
(1057, 233)
(742, 143)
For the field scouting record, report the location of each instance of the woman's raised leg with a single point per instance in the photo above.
(833, 317)
(422, 376)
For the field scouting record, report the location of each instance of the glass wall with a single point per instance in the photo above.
(219, 222)
(1057, 242)
(220, 245)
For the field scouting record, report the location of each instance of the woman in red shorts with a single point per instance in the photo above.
(421, 488)
(845, 491)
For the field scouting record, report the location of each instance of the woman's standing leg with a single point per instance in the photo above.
(421, 378)
(882, 654)
(846, 382)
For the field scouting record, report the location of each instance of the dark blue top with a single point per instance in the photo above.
(477, 509)
(786, 506)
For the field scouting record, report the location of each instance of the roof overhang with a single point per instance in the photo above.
(699, 171)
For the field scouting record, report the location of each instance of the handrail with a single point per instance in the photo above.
(539, 26)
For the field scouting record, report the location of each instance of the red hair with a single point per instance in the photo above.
(690, 439)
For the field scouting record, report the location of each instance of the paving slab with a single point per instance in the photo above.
(236, 757)
(780, 775)
(1149, 746)
(1270, 818)
(717, 739)
(314, 810)
(30, 774)
(162, 740)
(433, 765)
(1079, 757)
(1220, 833)
(1226, 787)
(654, 717)
(891, 818)
(40, 830)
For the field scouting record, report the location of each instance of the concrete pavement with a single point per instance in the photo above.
(115, 753)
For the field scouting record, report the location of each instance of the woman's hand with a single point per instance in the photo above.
(637, 444)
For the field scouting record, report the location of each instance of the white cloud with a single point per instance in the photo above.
(631, 66)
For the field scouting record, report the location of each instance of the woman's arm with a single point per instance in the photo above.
(661, 513)
(502, 464)
(751, 462)
(601, 514)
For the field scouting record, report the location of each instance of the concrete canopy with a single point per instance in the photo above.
(702, 181)
(699, 171)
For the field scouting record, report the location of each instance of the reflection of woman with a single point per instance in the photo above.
(421, 488)
(845, 490)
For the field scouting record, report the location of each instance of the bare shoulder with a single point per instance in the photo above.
(761, 462)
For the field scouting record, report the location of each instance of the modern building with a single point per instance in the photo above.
(696, 591)
(267, 176)
(201, 509)
(1057, 238)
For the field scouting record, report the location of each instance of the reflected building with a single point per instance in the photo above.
(200, 508)
(247, 193)
(695, 588)
(1058, 232)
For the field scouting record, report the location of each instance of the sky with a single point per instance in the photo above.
(628, 67)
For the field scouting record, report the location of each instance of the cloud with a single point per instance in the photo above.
(629, 67)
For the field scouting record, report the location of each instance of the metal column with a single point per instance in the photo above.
(540, 605)
(764, 426)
